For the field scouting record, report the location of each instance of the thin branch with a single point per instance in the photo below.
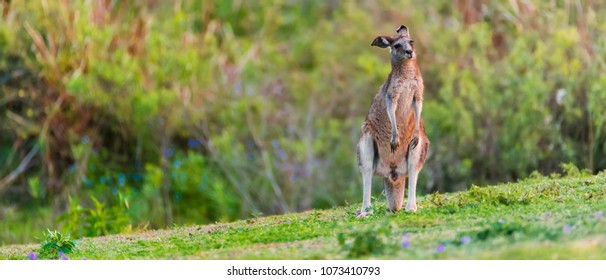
(267, 165)
(11, 177)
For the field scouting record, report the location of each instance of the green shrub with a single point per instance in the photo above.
(97, 220)
(55, 243)
(360, 242)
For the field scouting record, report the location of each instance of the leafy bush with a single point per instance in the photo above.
(55, 244)
(99, 220)
(366, 241)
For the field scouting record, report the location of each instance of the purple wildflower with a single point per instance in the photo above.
(84, 259)
(238, 88)
(501, 221)
(62, 256)
(465, 239)
(547, 214)
(250, 144)
(406, 240)
(293, 177)
(567, 228)
(168, 152)
(281, 154)
(193, 143)
(440, 248)
(32, 256)
(275, 143)
(85, 139)
(599, 215)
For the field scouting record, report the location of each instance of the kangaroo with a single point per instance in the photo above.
(393, 143)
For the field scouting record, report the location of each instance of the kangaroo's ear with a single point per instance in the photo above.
(382, 41)
(403, 31)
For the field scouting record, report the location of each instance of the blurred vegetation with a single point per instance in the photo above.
(560, 216)
(118, 115)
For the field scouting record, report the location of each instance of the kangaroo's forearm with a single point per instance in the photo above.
(417, 105)
(391, 112)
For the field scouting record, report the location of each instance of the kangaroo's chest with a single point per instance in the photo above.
(403, 91)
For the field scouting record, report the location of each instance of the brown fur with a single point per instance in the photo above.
(408, 76)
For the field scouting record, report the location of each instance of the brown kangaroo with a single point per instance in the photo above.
(393, 143)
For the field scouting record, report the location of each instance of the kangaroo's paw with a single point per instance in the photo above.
(394, 144)
(414, 142)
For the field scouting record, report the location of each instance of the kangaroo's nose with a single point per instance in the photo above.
(408, 52)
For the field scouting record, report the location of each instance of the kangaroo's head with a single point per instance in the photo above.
(401, 46)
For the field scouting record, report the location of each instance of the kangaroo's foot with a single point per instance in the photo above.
(411, 207)
(363, 214)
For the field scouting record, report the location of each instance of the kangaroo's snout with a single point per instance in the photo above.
(402, 49)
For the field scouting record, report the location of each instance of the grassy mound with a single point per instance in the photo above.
(538, 218)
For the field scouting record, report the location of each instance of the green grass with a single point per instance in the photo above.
(538, 218)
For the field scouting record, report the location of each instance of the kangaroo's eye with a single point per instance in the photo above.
(397, 46)
(412, 43)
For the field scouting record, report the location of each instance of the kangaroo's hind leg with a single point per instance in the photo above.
(416, 158)
(366, 163)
